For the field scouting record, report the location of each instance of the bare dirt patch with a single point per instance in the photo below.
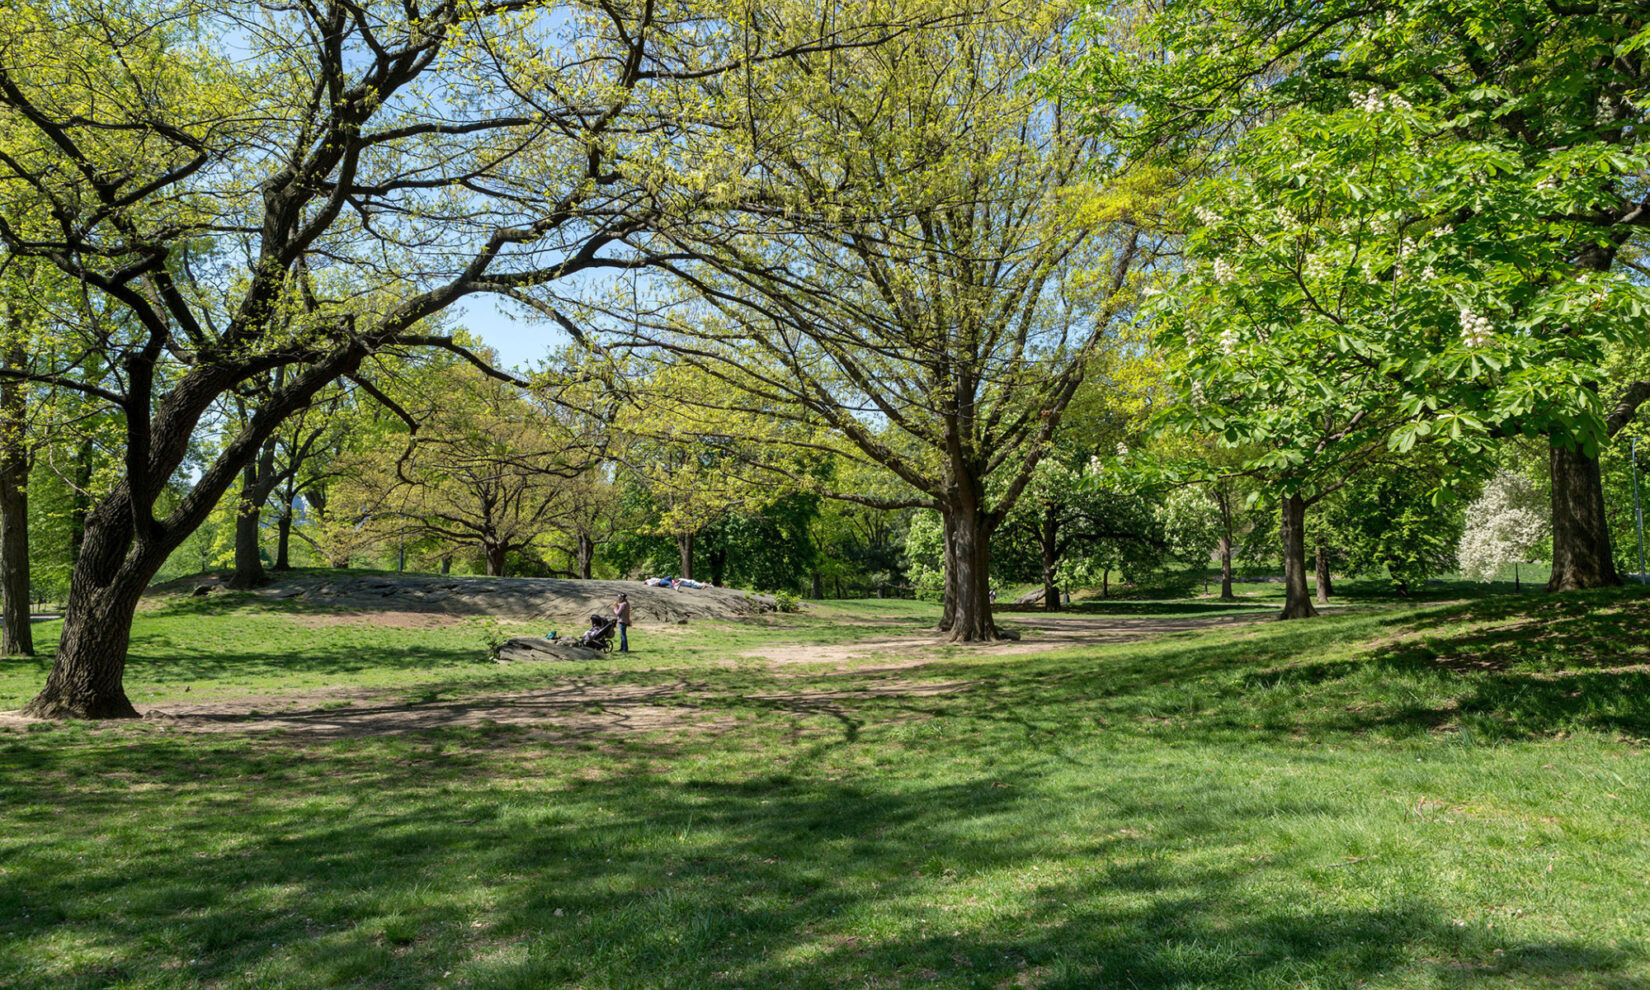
(575, 708)
(580, 707)
(1042, 633)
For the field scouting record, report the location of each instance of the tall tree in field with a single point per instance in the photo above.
(304, 448)
(696, 462)
(1519, 182)
(352, 168)
(485, 470)
(908, 258)
(1317, 330)
(592, 515)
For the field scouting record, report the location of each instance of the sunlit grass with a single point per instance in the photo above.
(1443, 795)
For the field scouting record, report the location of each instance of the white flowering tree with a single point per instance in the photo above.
(1387, 264)
(1507, 524)
(1312, 329)
(1456, 186)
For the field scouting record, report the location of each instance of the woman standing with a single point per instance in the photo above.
(621, 609)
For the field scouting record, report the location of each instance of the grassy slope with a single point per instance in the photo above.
(1443, 795)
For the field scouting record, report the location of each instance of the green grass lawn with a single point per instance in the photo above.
(1440, 795)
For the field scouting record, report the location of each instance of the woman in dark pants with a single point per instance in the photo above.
(621, 609)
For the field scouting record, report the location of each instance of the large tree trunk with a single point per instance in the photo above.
(971, 558)
(718, 565)
(948, 608)
(104, 591)
(684, 547)
(257, 481)
(586, 555)
(283, 538)
(124, 545)
(249, 565)
(818, 586)
(85, 681)
(495, 554)
(1048, 538)
(1582, 556)
(1324, 587)
(1224, 501)
(17, 637)
(1297, 601)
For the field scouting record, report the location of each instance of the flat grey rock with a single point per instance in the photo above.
(556, 602)
(534, 649)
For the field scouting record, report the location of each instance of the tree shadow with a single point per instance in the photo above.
(1501, 667)
(390, 866)
(1198, 607)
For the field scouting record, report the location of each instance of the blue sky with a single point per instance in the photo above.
(520, 336)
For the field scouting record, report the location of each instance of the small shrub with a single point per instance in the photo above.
(494, 636)
(787, 601)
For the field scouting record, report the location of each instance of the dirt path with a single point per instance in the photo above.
(1040, 633)
(584, 708)
(572, 709)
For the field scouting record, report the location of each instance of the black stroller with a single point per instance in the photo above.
(600, 634)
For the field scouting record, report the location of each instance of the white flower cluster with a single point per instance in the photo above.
(1223, 271)
(1507, 525)
(1374, 101)
(1407, 250)
(1206, 216)
(1604, 111)
(1197, 396)
(1122, 450)
(1228, 341)
(1548, 184)
(1476, 331)
(1316, 268)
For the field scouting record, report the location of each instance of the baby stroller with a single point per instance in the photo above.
(600, 634)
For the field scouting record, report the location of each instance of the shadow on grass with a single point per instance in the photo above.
(1502, 667)
(150, 663)
(1498, 668)
(395, 865)
(1191, 608)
